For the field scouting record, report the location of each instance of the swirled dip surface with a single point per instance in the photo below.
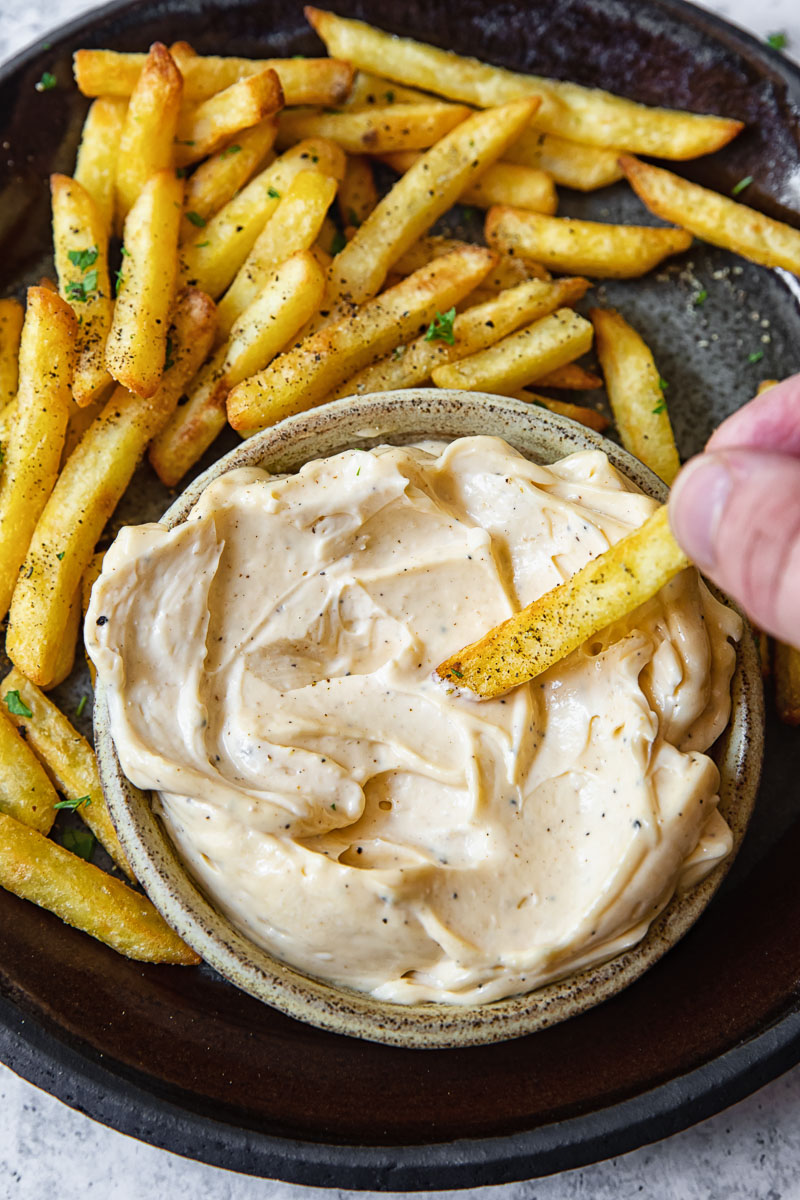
(268, 666)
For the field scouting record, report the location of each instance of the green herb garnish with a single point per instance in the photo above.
(16, 705)
(196, 219)
(81, 706)
(441, 328)
(229, 150)
(700, 298)
(83, 259)
(47, 82)
(61, 555)
(71, 805)
(79, 291)
(80, 842)
(662, 383)
(660, 407)
(741, 185)
(273, 193)
(169, 360)
(778, 41)
(182, 142)
(389, 97)
(755, 357)
(458, 674)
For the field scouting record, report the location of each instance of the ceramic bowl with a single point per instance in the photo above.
(366, 421)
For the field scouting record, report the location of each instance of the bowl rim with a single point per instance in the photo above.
(419, 1026)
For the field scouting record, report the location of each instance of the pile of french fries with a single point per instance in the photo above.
(225, 254)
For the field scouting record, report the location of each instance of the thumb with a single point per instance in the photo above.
(736, 513)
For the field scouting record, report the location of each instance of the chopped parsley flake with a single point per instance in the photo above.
(16, 705)
(201, 245)
(182, 142)
(47, 82)
(125, 252)
(81, 706)
(660, 407)
(71, 805)
(662, 383)
(80, 842)
(741, 185)
(273, 193)
(169, 356)
(778, 41)
(61, 555)
(83, 259)
(79, 291)
(196, 219)
(756, 356)
(700, 298)
(441, 328)
(229, 150)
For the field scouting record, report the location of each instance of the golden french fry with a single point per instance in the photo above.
(69, 642)
(137, 342)
(571, 164)
(11, 317)
(32, 449)
(572, 377)
(521, 357)
(635, 393)
(68, 758)
(87, 492)
(96, 166)
(147, 142)
(81, 418)
(375, 131)
(607, 589)
(203, 129)
(303, 376)
(287, 300)
(358, 195)
(424, 251)
(583, 247)
(26, 792)
(303, 80)
(508, 271)
(765, 385)
(473, 330)
(88, 581)
(375, 91)
(787, 683)
(37, 869)
(714, 218)
(217, 180)
(426, 190)
(501, 183)
(582, 114)
(80, 240)
(212, 260)
(294, 226)
(576, 412)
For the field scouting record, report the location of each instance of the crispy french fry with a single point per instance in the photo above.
(81, 418)
(34, 441)
(68, 758)
(787, 683)
(426, 190)
(96, 166)
(206, 127)
(501, 183)
(635, 393)
(90, 576)
(714, 218)
(358, 195)
(80, 239)
(583, 247)
(303, 80)
(294, 226)
(69, 642)
(521, 357)
(765, 385)
(137, 342)
(607, 589)
(212, 261)
(576, 412)
(571, 377)
(303, 376)
(11, 318)
(37, 869)
(147, 142)
(508, 271)
(287, 300)
(217, 180)
(582, 114)
(424, 251)
(327, 239)
(375, 130)
(571, 164)
(473, 330)
(87, 492)
(26, 792)
(375, 91)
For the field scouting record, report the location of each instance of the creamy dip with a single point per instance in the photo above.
(268, 671)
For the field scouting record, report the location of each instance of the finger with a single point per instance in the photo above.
(770, 422)
(737, 515)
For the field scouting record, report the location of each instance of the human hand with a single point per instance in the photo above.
(735, 509)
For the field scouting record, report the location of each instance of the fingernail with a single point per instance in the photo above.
(696, 504)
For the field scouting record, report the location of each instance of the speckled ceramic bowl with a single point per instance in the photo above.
(402, 417)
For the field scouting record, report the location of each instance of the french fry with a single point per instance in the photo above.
(205, 128)
(287, 300)
(571, 164)
(424, 251)
(581, 114)
(303, 376)
(212, 261)
(635, 393)
(787, 683)
(26, 792)
(33, 445)
(375, 130)
(294, 226)
(81, 418)
(147, 142)
(90, 577)
(375, 91)
(65, 660)
(37, 869)
(87, 492)
(358, 195)
(571, 377)
(714, 218)
(217, 180)
(583, 247)
(68, 758)
(137, 342)
(303, 80)
(473, 330)
(501, 183)
(521, 357)
(11, 317)
(80, 239)
(426, 190)
(96, 166)
(508, 271)
(576, 412)
(607, 589)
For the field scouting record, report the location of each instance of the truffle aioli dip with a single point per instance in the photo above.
(268, 671)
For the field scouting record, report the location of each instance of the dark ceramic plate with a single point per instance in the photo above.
(183, 1060)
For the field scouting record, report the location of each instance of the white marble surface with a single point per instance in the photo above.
(750, 1152)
